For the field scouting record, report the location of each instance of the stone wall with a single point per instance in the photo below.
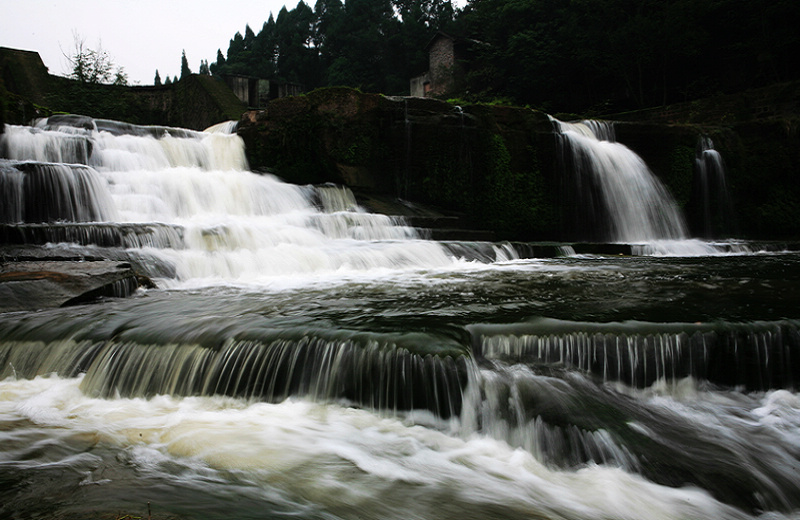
(442, 59)
(23, 72)
(23, 85)
(195, 102)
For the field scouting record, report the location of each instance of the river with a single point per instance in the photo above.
(301, 358)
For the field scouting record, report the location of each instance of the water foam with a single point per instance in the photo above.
(351, 462)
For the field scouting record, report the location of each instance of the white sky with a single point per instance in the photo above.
(139, 35)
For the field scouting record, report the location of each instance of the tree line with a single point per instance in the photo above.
(601, 55)
(558, 55)
(374, 45)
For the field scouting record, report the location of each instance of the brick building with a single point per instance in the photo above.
(447, 60)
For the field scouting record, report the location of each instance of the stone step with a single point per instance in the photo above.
(32, 285)
(94, 233)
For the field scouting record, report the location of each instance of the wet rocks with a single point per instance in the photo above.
(57, 282)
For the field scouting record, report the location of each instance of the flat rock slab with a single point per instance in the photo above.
(43, 284)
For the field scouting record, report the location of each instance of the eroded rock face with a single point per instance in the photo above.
(492, 165)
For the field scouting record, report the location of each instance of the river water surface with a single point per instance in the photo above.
(300, 358)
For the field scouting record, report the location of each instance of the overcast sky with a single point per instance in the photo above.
(139, 35)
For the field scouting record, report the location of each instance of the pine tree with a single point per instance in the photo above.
(266, 50)
(235, 47)
(217, 67)
(168, 81)
(157, 80)
(185, 71)
(249, 38)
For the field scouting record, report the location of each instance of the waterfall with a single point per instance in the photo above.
(233, 225)
(613, 194)
(372, 374)
(713, 208)
(515, 405)
(756, 356)
(568, 421)
(49, 192)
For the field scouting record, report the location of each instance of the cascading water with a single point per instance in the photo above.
(713, 206)
(234, 224)
(300, 357)
(616, 197)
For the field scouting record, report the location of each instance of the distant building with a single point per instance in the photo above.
(448, 57)
(257, 92)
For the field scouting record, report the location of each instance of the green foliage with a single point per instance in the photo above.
(583, 56)
(515, 197)
(356, 151)
(781, 214)
(93, 65)
(373, 45)
(615, 55)
(500, 181)
(120, 78)
(763, 160)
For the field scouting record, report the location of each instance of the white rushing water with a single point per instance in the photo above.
(238, 227)
(711, 185)
(637, 206)
(352, 463)
(242, 228)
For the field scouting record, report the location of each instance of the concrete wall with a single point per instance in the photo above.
(240, 85)
(257, 92)
(421, 85)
